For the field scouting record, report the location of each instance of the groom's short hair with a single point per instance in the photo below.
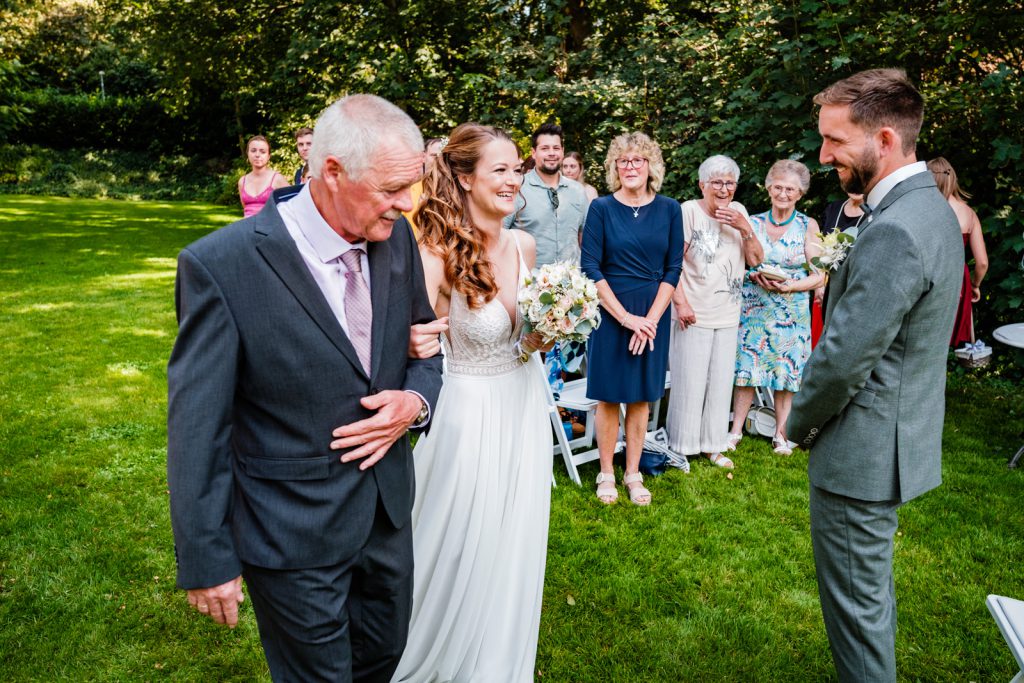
(877, 98)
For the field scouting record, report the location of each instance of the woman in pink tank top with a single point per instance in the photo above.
(254, 187)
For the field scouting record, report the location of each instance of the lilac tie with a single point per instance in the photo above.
(358, 312)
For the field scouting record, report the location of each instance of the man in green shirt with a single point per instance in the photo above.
(550, 206)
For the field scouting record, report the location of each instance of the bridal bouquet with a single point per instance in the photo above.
(560, 302)
(834, 247)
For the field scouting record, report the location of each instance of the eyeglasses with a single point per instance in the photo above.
(782, 189)
(630, 163)
(729, 185)
(553, 196)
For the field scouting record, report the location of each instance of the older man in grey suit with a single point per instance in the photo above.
(872, 401)
(290, 395)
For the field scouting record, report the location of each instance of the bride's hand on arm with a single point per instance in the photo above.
(425, 339)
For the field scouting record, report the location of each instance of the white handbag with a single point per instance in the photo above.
(760, 421)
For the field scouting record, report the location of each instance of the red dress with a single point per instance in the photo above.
(817, 321)
(962, 328)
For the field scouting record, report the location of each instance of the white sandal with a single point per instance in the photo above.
(781, 446)
(732, 440)
(608, 491)
(721, 460)
(636, 493)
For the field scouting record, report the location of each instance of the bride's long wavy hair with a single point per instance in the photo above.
(443, 217)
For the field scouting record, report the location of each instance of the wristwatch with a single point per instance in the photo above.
(422, 416)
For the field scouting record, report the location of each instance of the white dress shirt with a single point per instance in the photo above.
(890, 181)
(321, 249)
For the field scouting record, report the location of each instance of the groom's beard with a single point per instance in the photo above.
(863, 173)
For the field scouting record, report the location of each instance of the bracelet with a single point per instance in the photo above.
(746, 237)
(521, 353)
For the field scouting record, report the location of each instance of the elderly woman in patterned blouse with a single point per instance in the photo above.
(719, 245)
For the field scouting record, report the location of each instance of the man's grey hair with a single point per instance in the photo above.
(718, 166)
(353, 128)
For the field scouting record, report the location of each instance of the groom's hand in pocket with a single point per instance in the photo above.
(371, 438)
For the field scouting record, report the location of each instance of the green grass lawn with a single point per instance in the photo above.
(713, 582)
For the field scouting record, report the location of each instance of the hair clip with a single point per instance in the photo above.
(444, 142)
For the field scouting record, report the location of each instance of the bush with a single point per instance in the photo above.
(59, 174)
(61, 121)
(111, 173)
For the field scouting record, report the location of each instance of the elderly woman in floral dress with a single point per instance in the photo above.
(720, 245)
(775, 323)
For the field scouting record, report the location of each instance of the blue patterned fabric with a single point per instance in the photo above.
(775, 327)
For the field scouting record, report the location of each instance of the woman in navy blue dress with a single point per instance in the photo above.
(633, 250)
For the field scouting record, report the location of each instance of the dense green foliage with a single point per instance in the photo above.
(735, 77)
(713, 582)
(116, 174)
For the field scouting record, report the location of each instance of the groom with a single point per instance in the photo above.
(872, 400)
(290, 395)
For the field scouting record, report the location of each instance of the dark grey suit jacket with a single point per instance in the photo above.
(260, 375)
(872, 400)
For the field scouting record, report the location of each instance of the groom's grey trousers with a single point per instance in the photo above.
(853, 548)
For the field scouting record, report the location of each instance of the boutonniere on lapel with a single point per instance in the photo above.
(834, 247)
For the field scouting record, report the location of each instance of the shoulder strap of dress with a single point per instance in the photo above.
(803, 219)
(519, 250)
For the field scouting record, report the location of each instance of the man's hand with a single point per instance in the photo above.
(425, 340)
(371, 438)
(220, 603)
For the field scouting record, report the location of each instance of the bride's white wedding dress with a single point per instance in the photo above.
(480, 520)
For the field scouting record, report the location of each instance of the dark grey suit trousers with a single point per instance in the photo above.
(853, 549)
(341, 623)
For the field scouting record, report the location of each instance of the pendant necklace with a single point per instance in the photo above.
(635, 209)
(771, 219)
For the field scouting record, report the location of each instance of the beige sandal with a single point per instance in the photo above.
(637, 493)
(606, 491)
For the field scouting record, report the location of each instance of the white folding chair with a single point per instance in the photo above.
(1009, 616)
(574, 397)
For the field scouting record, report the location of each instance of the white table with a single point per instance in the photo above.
(1012, 335)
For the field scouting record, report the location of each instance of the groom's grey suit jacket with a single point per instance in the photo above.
(260, 375)
(872, 400)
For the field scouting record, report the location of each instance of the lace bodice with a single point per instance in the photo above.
(481, 341)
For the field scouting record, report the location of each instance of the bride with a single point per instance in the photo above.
(483, 471)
